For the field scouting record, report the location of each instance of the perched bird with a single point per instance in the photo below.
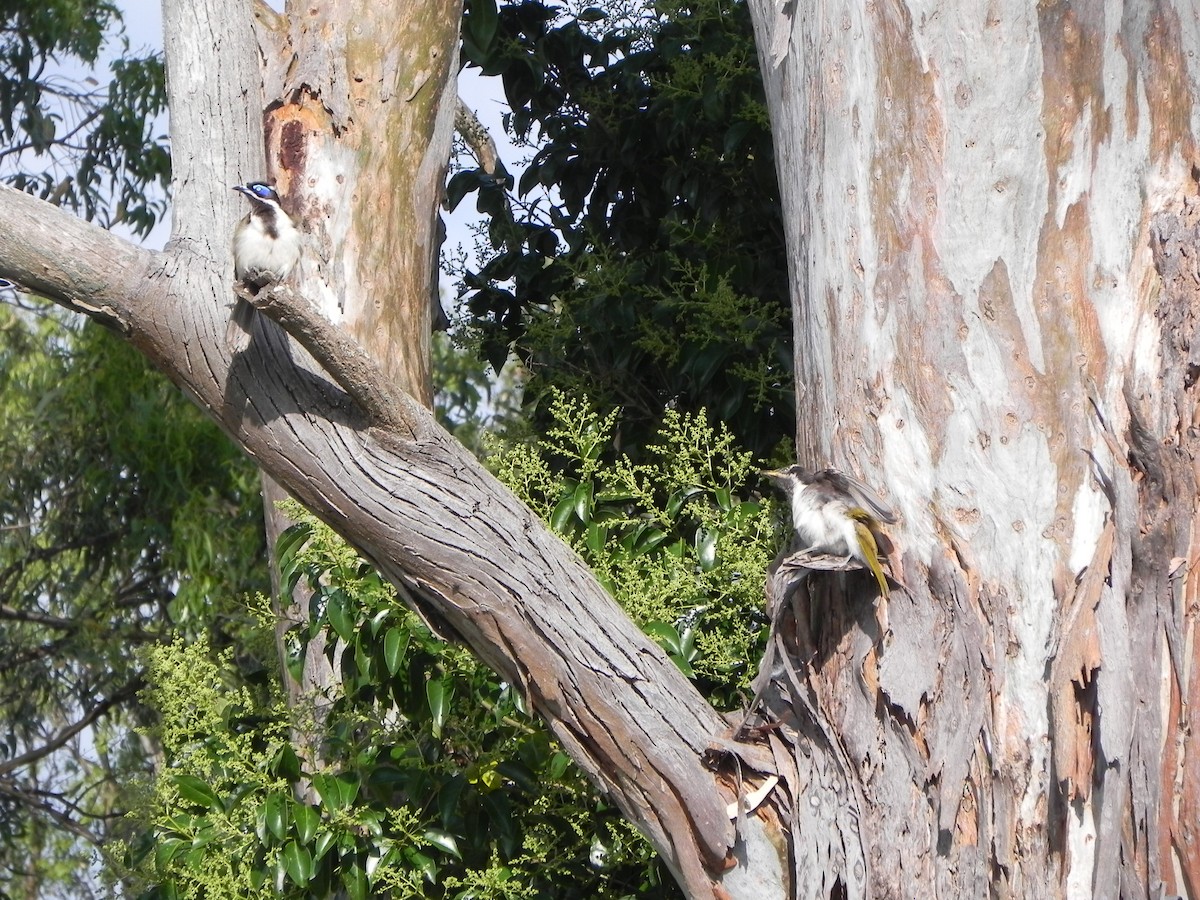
(836, 515)
(266, 246)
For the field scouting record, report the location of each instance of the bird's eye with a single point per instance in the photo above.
(262, 190)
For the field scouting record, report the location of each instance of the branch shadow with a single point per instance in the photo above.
(268, 380)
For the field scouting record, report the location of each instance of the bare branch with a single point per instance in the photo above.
(55, 254)
(37, 618)
(477, 137)
(70, 731)
(32, 800)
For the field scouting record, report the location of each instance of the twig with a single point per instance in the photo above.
(71, 730)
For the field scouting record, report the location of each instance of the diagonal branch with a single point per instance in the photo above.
(468, 554)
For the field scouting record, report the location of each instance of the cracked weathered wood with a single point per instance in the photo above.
(340, 355)
(475, 561)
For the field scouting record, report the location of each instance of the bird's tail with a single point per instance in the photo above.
(237, 332)
(868, 546)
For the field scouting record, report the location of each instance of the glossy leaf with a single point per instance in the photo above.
(422, 861)
(448, 797)
(166, 850)
(559, 763)
(286, 763)
(444, 841)
(583, 501)
(481, 22)
(298, 862)
(276, 816)
(597, 537)
(336, 791)
(502, 822)
(325, 840)
(395, 645)
(679, 498)
(196, 791)
(287, 546)
(339, 607)
(665, 634)
(461, 184)
(437, 695)
(307, 819)
(354, 880)
(561, 516)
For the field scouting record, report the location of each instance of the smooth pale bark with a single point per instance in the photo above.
(992, 223)
(458, 545)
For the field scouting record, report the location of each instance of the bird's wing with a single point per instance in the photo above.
(861, 495)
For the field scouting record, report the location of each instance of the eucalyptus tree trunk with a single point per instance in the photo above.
(993, 230)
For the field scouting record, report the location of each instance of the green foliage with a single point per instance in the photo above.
(437, 783)
(214, 790)
(643, 263)
(112, 474)
(89, 149)
(112, 482)
(675, 537)
(468, 400)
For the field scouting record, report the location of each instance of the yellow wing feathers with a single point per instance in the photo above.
(863, 522)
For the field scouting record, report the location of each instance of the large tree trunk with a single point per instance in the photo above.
(993, 229)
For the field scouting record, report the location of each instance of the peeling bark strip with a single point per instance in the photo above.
(821, 799)
(1173, 592)
(995, 292)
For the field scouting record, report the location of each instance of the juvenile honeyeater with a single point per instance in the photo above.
(836, 515)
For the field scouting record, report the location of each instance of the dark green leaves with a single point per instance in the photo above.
(653, 172)
(307, 819)
(193, 790)
(443, 840)
(438, 695)
(681, 648)
(395, 643)
(341, 614)
(480, 21)
(297, 862)
(336, 791)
